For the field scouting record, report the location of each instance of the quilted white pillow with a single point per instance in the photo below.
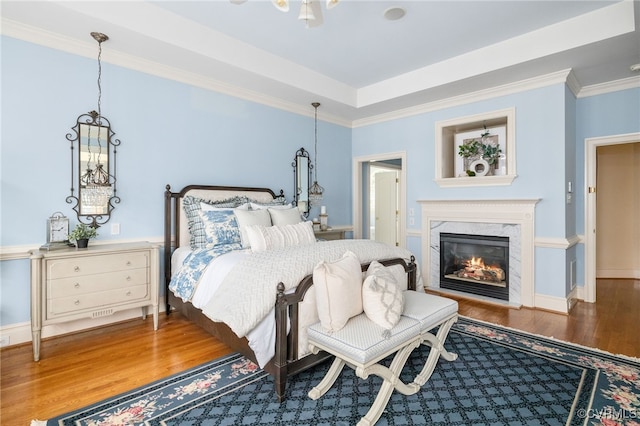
(248, 218)
(382, 297)
(338, 291)
(263, 238)
(285, 216)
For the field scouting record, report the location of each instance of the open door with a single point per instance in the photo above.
(364, 207)
(385, 201)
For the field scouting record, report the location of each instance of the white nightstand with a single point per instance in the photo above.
(72, 283)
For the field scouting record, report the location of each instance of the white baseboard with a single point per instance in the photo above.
(633, 274)
(21, 332)
(552, 303)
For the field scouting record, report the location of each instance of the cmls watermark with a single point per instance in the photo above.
(608, 413)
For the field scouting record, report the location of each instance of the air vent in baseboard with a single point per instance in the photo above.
(103, 313)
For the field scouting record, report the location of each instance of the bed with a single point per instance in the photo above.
(291, 303)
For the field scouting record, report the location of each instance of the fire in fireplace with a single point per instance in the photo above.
(477, 264)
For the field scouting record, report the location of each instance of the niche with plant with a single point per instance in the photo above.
(476, 150)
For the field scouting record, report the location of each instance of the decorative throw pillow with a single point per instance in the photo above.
(285, 216)
(382, 297)
(263, 238)
(220, 228)
(192, 206)
(248, 218)
(338, 291)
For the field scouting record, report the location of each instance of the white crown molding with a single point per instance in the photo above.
(67, 44)
(611, 86)
(87, 49)
(546, 80)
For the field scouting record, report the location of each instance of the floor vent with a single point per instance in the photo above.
(102, 313)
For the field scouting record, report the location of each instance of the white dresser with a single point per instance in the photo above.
(71, 284)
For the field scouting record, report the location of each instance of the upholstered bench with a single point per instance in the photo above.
(361, 345)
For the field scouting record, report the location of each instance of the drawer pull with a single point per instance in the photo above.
(128, 263)
(128, 293)
(77, 302)
(76, 269)
(77, 285)
(128, 278)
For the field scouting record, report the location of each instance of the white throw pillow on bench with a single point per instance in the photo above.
(338, 288)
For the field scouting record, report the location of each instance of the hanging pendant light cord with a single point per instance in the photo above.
(315, 161)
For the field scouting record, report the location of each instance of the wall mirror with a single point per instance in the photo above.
(93, 169)
(301, 178)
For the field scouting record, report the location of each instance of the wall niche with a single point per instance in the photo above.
(488, 145)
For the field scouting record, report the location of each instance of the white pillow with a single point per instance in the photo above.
(338, 291)
(206, 207)
(263, 238)
(382, 297)
(248, 218)
(256, 206)
(285, 216)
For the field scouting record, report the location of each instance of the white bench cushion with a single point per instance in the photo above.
(428, 309)
(360, 339)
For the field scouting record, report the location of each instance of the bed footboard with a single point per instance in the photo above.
(286, 363)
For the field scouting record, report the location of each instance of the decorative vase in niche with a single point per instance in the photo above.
(82, 243)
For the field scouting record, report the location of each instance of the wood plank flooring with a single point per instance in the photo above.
(83, 368)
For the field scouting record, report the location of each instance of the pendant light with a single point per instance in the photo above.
(316, 191)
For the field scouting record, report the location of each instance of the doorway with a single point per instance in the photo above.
(591, 205)
(383, 203)
(380, 179)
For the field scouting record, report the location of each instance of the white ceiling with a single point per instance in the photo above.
(357, 64)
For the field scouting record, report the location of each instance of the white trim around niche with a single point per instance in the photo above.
(445, 155)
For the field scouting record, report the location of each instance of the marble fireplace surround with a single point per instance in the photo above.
(486, 215)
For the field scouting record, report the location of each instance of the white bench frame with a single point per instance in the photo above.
(391, 374)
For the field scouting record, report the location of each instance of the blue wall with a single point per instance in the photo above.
(170, 132)
(551, 125)
(223, 140)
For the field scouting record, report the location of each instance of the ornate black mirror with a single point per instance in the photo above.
(301, 178)
(93, 169)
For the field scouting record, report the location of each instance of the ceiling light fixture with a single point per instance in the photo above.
(98, 180)
(316, 191)
(310, 11)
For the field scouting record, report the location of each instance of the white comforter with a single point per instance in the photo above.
(246, 296)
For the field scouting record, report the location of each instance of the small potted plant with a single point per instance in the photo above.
(81, 235)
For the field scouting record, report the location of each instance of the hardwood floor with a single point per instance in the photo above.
(83, 368)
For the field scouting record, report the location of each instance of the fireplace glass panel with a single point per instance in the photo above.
(477, 264)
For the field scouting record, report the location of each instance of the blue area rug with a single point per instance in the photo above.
(501, 377)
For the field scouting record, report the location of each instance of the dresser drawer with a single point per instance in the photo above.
(85, 284)
(88, 265)
(89, 301)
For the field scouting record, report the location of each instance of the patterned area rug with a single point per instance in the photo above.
(501, 377)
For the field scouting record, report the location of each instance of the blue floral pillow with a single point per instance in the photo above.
(220, 228)
(191, 206)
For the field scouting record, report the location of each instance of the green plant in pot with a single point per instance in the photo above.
(81, 234)
(474, 150)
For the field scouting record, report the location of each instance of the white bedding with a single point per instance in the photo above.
(239, 288)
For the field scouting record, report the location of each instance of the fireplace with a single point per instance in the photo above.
(477, 264)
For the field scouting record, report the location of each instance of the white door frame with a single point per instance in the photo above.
(591, 144)
(402, 192)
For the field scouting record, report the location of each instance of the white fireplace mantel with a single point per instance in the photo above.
(514, 211)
